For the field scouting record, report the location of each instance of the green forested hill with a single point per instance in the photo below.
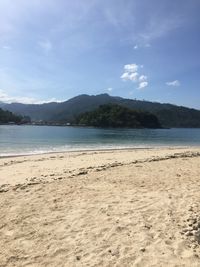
(7, 116)
(112, 115)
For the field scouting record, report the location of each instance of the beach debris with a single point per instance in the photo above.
(192, 230)
(82, 173)
(114, 252)
(4, 188)
(197, 235)
(147, 226)
(189, 233)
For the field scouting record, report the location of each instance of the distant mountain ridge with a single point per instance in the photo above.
(169, 115)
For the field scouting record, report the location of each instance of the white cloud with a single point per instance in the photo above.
(173, 83)
(109, 89)
(46, 45)
(142, 78)
(131, 67)
(131, 74)
(135, 47)
(24, 100)
(126, 76)
(142, 85)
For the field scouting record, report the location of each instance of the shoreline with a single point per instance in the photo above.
(43, 167)
(30, 154)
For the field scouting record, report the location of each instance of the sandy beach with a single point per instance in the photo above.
(101, 208)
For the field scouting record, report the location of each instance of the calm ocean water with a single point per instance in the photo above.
(20, 140)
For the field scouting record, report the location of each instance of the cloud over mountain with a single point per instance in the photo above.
(131, 73)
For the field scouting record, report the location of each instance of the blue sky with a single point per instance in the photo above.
(54, 50)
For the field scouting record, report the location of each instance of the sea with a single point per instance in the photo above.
(29, 139)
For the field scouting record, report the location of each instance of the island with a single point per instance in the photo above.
(113, 115)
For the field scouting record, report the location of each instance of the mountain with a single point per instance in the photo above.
(169, 115)
(34, 111)
(2, 104)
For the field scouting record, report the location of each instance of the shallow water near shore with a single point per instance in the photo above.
(24, 140)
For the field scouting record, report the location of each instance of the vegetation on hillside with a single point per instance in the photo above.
(9, 117)
(167, 114)
(112, 115)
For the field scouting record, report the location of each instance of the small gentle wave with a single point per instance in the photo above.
(30, 140)
(69, 149)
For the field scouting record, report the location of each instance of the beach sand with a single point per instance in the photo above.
(101, 208)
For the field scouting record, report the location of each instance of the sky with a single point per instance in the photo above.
(52, 50)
